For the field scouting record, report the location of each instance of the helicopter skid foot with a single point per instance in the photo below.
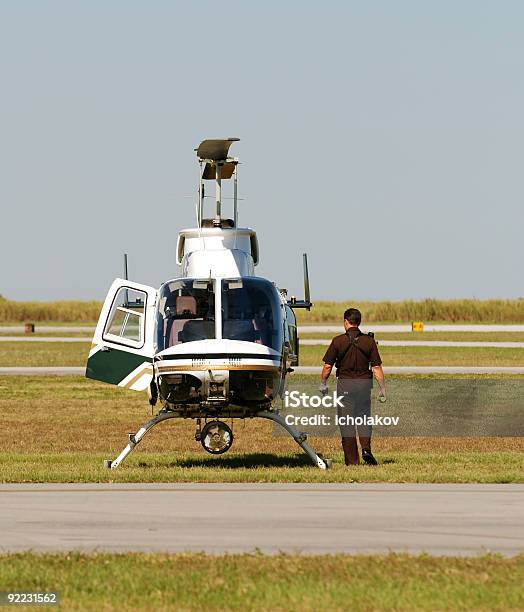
(300, 438)
(135, 438)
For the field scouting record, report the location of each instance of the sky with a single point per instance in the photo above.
(385, 139)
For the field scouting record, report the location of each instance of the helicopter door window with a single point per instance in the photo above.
(186, 312)
(125, 323)
(251, 311)
(261, 325)
(185, 308)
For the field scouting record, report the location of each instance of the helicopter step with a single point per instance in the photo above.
(216, 437)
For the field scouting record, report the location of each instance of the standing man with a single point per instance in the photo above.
(357, 360)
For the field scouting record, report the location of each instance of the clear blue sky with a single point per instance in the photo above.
(383, 138)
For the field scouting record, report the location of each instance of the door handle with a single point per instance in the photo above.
(106, 349)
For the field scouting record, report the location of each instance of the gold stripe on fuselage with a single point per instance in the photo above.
(162, 369)
(148, 370)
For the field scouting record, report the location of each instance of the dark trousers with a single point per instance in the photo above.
(356, 393)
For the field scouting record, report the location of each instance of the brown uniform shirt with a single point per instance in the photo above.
(356, 361)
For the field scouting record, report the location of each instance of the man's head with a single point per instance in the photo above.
(352, 318)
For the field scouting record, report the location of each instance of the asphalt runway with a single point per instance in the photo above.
(431, 343)
(43, 371)
(49, 328)
(45, 339)
(80, 371)
(440, 519)
(428, 327)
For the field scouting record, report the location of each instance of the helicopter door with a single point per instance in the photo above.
(123, 344)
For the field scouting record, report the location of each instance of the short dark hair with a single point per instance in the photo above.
(353, 316)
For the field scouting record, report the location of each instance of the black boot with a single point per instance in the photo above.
(367, 455)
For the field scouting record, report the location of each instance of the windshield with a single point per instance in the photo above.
(186, 312)
(251, 311)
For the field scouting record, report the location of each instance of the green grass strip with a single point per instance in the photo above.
(260, 582)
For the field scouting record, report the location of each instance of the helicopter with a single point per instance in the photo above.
(215, 343)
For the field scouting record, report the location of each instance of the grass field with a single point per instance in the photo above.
(44, 353)
(259, 582)
(450, 311)
(431, 336)
(75, 354)
(425, 356)
(59, 429)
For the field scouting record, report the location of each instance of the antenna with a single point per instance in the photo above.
(235, 196)
(218, 183)
(307, 296)
(306, 302)
(200, 196)
(127, 278)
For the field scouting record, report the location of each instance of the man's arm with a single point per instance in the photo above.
(326, 371)
(378, 373)
(330, 356)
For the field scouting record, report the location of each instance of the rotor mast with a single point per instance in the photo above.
(217, 165)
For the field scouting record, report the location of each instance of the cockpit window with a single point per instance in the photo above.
(251, 311)
(186, 312)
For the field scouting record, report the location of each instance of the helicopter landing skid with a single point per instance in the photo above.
(136, 438)
(299, 437)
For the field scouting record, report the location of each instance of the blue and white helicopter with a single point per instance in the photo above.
(215, 343)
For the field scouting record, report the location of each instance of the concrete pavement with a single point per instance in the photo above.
(49, 328)
(306, 342)
(84, 339)
(42, 371)
(441, 519)
(428, 327)
(417, 343)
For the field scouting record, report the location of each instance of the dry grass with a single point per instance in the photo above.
(72, 311)
(60, 429)
(75, 354)
(430, 356)
(467, 310)
(44, 353)
(449, 311)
